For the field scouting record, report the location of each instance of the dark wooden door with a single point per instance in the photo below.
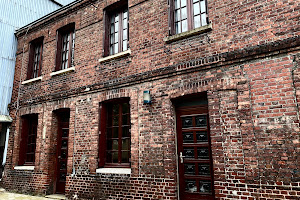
(62, 152)
(194, 153)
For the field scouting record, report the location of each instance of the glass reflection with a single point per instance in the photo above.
(189, 169)
(188, 152)
(203, 153)
(190, 186)
(201, 120)
(188, 137)
(187, 122)
(204, 169)
(202, 136)
(205, 187)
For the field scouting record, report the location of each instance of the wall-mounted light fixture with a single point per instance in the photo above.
(147, 97)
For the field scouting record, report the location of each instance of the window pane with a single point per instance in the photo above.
(112, 28)
(115, 132)
(115, 109)
(125, 23)
(197, 22)
(111, 50)
(125, 144)
(116, 47)
(177, 15)
(177, 4)
(205, 186)
(125, 34)
(115, 145)
(116, 37)
(188, 137)
(203, 19)
(125, 108)
(125, 120)
(125, 14)
(190, 186)
(184, 13)
(190, 169)
(116, 17)
(125, 131)
(116, 27)
(178, 27)
(115, 157)
(203, 6)
(124, 45)
(125, 157)
(196, 9)
(183, 3)
(109, 144)
(116, 120)
(203, 152)
(112, 39)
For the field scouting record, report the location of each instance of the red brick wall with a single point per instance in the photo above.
(248, 65)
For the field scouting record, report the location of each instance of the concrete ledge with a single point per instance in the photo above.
(24, 168)
(187, 34)
(32, 80)
(113, 171)
(62, 71)
(115, 56)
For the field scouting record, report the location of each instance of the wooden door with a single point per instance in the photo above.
(194, 153)
(62, 152)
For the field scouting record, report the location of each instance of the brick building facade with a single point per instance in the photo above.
(223, 122)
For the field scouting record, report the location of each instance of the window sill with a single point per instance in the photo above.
(30, 168)
(62, 71)
(187, 34)
(115, 56)
(113, 171)
(32, 80)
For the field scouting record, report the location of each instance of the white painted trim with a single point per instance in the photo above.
(32, 80)
(5, 118)
(24, 168)
(115, 56)
(62, 71)
(187, 34)
(113, 171)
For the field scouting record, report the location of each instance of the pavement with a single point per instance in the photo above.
(4, 195)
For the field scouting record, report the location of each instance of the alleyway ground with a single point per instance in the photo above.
(4, 195)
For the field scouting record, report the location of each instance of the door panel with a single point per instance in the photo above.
(62, 152)
(194, 153)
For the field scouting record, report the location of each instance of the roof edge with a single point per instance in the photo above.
(54, 1)
(48, 16)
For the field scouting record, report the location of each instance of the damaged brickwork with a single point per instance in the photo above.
(247, 65)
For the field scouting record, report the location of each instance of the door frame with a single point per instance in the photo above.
(178, 109)
(60, 125)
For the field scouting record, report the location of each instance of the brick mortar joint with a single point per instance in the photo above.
(218, 60)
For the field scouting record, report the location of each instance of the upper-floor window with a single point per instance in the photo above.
(187, 15)
(65, 47)
(35, 58)
(116, 34)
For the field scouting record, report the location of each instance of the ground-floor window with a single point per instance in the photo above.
(28, 139)
(114, 145)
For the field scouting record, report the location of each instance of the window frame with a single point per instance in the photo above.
(190, 16)
(103, 134)
(69, 31)
(117, 8)
(34, 71)
(28, 131)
